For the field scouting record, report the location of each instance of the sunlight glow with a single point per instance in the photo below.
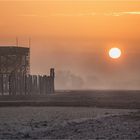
(114, 53)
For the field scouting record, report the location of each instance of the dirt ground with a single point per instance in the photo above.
(69, 123)
(75, 115)
(101, 99)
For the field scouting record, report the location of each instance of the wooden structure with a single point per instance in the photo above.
(14, 59)
(17, 84)
(15, 78)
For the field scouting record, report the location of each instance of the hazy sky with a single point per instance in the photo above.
(74, 36)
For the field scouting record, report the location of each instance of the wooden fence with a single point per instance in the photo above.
(17, 84)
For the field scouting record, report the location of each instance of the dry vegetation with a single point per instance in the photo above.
(68, 123)
(72, 115)
(103, 99)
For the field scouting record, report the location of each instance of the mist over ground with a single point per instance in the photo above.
(86, 65)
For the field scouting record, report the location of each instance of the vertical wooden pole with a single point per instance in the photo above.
(52, 76)
(1, 84)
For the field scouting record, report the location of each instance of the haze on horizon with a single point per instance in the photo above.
(74, 37)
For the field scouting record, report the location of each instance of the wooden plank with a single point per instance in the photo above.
(19, 84)
(1, 84)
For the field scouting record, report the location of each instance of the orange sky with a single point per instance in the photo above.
(70, 18)
(75, 36)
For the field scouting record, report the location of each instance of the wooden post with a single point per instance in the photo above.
(40, 84)
(48, 84)
(30, 84)
(1, 84)
(10, 85)
(21, 84)
(52, 76)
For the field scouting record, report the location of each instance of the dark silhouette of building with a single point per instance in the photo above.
(14, 59)
(15, 77)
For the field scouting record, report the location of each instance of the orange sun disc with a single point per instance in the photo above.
(115, 53)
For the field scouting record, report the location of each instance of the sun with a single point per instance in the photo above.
(115, 53)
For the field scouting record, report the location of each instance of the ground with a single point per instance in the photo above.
(76, 115)
(69, 123)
